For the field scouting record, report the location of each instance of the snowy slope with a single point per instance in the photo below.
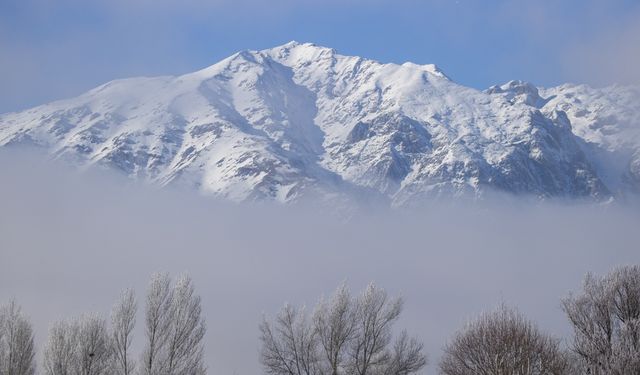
(300, 120)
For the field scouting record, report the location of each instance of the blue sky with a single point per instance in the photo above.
(51, 49)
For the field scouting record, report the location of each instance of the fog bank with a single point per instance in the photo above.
(70, 243)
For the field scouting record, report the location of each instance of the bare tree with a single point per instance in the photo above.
(157, 322)
(503, 343)
(93, 346)
(186, 331)
(123, 319)
(175, 328)
(345, 336)
(606, 322)
(17, 351)
(60, 349)
(289, 345)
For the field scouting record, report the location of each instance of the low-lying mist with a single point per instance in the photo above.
(69, 243)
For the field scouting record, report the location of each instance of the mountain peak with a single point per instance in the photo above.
(301, 119)
(299, 51)
(296, 44)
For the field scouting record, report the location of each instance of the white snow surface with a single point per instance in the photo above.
(302, 120)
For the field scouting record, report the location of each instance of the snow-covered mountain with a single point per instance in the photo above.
(300, 119)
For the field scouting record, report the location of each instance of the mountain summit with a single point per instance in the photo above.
(301, 119)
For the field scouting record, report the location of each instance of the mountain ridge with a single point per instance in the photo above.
(301, 119)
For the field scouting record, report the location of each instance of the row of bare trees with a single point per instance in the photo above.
(352, 336)
(91, 345)
(605, 318)
(342, 335)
